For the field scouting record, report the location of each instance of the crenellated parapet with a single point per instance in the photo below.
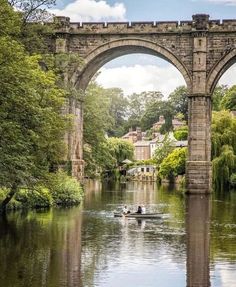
(199, 22)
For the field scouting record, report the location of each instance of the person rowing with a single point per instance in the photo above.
(143, 209)
(139, 209)
(125, 210)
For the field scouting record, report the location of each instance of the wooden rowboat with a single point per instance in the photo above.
(139, 215)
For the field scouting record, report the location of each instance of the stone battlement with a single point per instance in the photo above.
(200, 22)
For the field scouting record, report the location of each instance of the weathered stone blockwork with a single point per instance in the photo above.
(201, 49)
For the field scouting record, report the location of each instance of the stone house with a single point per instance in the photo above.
(142, 173)
(142, 150)
(134, 136)
(176, 123)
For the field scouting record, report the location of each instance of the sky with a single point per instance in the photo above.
(137, 73)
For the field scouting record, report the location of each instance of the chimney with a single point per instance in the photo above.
(139, 134)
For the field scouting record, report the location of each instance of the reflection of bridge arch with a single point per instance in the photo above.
(201, 49)
(111, 50)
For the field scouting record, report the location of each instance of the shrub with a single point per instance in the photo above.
(173, 164)
(37, 198)
(181, 133)
(13, 204)
(65, 190)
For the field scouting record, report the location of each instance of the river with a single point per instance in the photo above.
(193, 244)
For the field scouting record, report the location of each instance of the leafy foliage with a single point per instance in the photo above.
(163, 150)
(181, 133)
(223, 148)
(179, 101)
(37, 198)
(33, 10)
(223, 167)
(65, 190)
(97, 120)
(118, 110)
(223, 131)
(229, 100)
(120, 149)
(173, 164)
(217, 97)
(31, 123)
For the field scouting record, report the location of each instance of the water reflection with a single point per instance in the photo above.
(198, 240)
(40, 249)
(86, 246)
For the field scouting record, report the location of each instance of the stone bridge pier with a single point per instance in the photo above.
(201, 49)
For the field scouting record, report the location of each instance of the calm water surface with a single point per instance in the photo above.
(194, 244)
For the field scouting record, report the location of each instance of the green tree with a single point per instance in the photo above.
(223, 148)
(229, 100)
(179, 101)
(223, 131)
(138, 106)
(217, 97)
(97, 121)
(163, 150)
(33, 10)
(168, 113)
(31, 124)
(173, 164)
(181, 133)
(118, 111)
(120, 149)
(223, 167)
(32, 33)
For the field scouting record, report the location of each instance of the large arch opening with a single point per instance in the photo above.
(219, 70)
(111, 50)
(117, 50)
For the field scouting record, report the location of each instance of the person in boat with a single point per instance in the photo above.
(125, 210)
(139, 209)
(143, 209)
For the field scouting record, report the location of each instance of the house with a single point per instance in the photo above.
(176, 123)
(142, 173)
(159, 124)
(142, 150)
(134, 136)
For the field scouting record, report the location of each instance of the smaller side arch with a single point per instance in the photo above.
(219, 69)
(113, 49)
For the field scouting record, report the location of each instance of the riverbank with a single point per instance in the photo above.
(61, 190)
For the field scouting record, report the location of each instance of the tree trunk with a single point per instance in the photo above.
(9, 197)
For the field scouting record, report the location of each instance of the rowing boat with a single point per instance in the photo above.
(139, 215)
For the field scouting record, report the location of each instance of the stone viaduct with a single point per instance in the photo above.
(201, 49)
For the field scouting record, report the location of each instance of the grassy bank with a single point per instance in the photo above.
(60, 190)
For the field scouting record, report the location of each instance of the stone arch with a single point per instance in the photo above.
(219, 69)
(113, 49)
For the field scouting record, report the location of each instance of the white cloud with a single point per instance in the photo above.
(92, 10)
(229, 77)
(139, 78)
(226, 2)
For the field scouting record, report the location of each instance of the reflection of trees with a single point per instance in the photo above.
(223, 228)
(41, 249)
